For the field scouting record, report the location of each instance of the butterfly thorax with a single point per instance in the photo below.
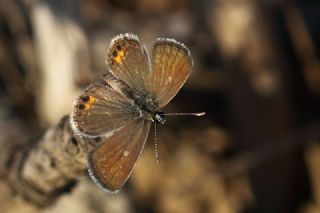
(142, 103)
(148, 109)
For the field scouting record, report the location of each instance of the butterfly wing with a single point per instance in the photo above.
(171, 65)
(128, 61)
(111, 163)
(102, 110)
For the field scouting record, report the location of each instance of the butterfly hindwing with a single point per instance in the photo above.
(111, 163)
(101, 110)
(128, 61)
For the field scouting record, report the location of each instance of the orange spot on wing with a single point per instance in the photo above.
(119, 56)
(87, 102)
(92, 100)
(87, 106)
(118, 59)
(121, 53)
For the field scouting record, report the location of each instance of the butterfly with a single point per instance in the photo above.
(120, 109)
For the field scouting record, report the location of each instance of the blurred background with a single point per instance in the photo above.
(256, 74)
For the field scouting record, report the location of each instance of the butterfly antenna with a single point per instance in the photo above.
(198, 114)
(156, 142)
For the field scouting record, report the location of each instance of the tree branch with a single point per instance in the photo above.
(42, 171)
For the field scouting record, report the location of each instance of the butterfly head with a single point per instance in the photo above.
(159, 117)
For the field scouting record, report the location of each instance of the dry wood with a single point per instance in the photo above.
(41, 170)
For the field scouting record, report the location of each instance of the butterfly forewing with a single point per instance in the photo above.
(171, 65)
(111, 163)
(128, 61)
(101, 110)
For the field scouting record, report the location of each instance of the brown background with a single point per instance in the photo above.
(256, 74)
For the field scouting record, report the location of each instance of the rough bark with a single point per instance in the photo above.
(40, 170)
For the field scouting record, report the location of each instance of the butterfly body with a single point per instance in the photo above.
(121, 108)
(143, 104)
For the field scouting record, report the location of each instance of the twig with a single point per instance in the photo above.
(51, 166)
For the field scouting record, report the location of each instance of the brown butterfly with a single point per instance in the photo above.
(121, 109)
